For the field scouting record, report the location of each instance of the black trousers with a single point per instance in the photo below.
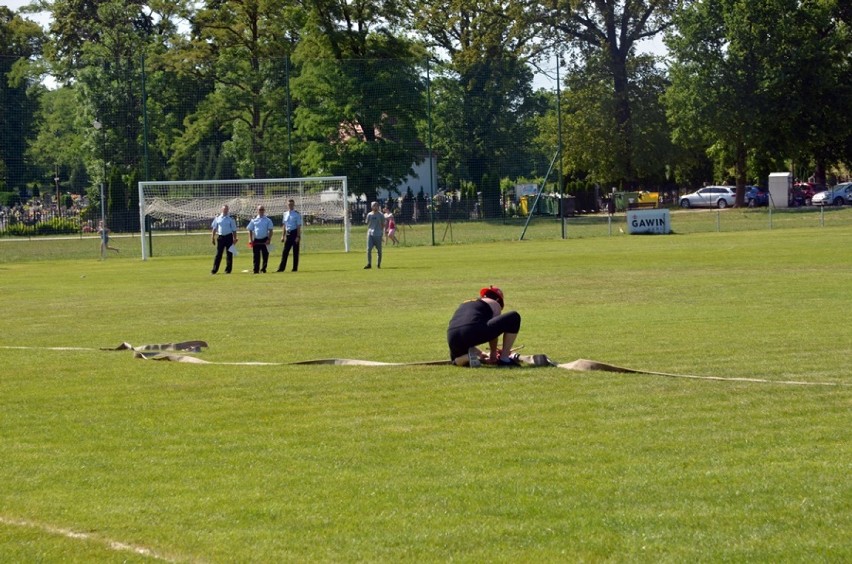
(260, 251)
(460, 339)
(290, 243)
(222, 244)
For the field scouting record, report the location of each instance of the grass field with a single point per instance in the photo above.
(109, 458)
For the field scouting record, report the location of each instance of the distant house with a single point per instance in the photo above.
(421, 179)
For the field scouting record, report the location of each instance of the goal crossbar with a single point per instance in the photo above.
(196, 202)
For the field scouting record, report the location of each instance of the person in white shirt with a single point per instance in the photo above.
(292, 236)
(260, 234)
(223, 235)
(375, 230)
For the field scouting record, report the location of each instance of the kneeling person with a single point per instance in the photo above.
(482, 321)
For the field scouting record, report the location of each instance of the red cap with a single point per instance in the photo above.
(492, 292)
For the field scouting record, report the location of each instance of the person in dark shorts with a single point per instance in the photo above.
(482, 321)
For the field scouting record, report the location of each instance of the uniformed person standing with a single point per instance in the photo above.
(260, 234)
(292, 236)
(223, 235)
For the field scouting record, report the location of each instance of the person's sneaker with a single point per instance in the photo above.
(368, 267)
(512, 361)
(473, 359)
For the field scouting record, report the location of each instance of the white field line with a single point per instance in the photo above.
(68, 533)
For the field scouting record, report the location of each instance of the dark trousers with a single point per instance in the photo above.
(462, 338)
(259, 251)
(290, 243)
(222, 244)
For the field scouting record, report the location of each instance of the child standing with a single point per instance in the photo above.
(390, 226)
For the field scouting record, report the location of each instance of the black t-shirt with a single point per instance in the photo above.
(473, 312)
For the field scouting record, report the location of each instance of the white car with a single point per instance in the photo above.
(710, 197)
(839, 195)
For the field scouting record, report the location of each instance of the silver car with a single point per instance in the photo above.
(710, 197)
(839, 195)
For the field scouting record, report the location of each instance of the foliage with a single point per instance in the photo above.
(360, 97)
(604, 34)
(20, 44)
(59, 148)
(9, 199)
(746, 75)
(55, 226)
(484, 105)
(240, 48)
(591, 135)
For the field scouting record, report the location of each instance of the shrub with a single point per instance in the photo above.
(9, 199)
(55, 226)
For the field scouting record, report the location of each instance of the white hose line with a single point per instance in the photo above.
(163, 352)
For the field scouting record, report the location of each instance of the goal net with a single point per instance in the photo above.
(192, 204)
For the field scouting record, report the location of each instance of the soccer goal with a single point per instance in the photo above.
(192, 204)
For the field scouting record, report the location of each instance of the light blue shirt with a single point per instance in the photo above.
(224, 224)
(292, 220)
(261, 226)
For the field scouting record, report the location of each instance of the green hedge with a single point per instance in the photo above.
(55, 226)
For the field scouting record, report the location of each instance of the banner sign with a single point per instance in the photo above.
(649, 221)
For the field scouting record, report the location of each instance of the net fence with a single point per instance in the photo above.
(187, 205)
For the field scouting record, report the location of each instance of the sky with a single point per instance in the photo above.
(42, 18)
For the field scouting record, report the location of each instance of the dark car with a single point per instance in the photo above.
(756, 196)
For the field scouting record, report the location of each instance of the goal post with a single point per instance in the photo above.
(192, 204)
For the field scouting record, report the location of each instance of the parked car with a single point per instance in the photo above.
(803, 193)
(756, 196)
(837, 196)
(710, 197)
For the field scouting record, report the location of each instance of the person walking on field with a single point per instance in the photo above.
(390, 226)
(483, 321)
(260, 234)
(292, 236)
(103, 231)
(375, 230)
(223, 235)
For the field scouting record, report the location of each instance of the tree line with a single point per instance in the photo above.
(224, 89)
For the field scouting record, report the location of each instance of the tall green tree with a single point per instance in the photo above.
(818, 104)
(58, 150)
(484, 104)
(736, 80)
(239, 48)
(360, 94)
(20, 42)
(100, 46)
(607, 32)
(591, 135)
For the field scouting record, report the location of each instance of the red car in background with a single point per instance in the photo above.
(803, 192)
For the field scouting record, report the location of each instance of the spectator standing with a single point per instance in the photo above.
(375, 230)
(292, 236)
(223, 235)
(260, 234)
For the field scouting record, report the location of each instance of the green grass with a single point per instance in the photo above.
(330, 238)
(324, 463)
